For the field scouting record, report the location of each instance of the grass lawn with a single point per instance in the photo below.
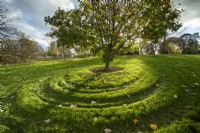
(162, 90)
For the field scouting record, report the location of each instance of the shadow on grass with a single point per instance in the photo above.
(20, 119)
(53, 97)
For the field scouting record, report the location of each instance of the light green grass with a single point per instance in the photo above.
(33, 93)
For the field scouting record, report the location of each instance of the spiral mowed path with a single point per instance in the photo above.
(57, 96)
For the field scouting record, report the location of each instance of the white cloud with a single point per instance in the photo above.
(31, 14)
(34, 33)
(8, 1)
(190, 18)
(16, 14)
(193, 23)
(44, 43)
(64, 4)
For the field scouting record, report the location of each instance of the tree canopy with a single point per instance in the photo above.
(107, 26)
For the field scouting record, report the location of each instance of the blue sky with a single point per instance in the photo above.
(32, 13)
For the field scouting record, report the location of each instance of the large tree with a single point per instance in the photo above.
(105, 26)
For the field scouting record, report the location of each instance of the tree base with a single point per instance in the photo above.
(102, 69)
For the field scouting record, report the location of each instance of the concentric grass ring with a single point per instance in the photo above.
(145, 87)
(57, 91)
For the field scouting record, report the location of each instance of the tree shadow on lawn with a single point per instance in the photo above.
(185, 103)
(19, 119)
(29, 68)
(34, 73)
(164, 116)
(57, 97)
(102, 69)
(98, 88)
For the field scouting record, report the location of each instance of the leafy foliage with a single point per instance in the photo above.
(189, 43)
(52, 50)
(106, 26)
(185, 44)
(19, 50)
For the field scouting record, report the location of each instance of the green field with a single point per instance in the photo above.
(162, 90)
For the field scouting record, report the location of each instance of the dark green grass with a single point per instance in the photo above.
(33, 93)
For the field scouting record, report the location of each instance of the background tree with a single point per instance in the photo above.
(52, 50)
(15, 46)
(27, 48)
(63, 51)
(185, 44)
(171, 45)
(189, 43)
(105, 26)
(20, 49)
(161, 21)
(7, 30)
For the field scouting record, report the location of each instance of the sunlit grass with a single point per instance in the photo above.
(37, 97)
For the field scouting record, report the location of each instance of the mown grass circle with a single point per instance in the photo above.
(68, 97)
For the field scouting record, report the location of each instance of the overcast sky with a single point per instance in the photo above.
(32, 13)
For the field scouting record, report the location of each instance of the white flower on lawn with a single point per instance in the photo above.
(187, 90)
(95, 118)
(184, 86)
(124, 104)
(60, 105)
(107, 130)
(47, 121)
(1, 110)
(93, 102)
(194, 94)
(197, 84)
(66, 90)
(175, 96)
(12, 97)
(73, 106)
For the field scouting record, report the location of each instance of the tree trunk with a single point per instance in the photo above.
(107, 57)
(107, 65)
(64, 56)
(152, 49)
(64, 53)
